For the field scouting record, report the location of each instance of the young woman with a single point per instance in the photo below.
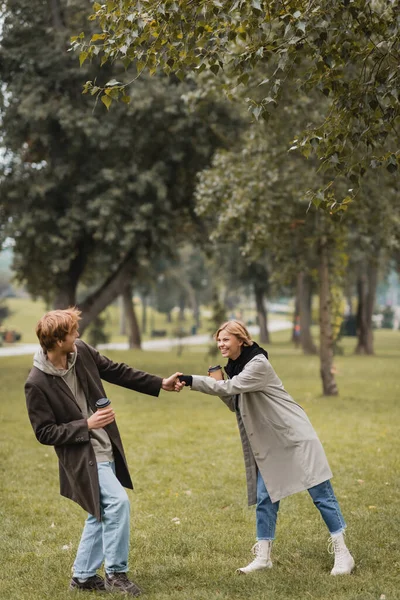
(282, 452)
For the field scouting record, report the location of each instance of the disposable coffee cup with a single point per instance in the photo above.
(102, 403)
(216, 372)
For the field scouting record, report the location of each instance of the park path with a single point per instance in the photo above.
(159, 344)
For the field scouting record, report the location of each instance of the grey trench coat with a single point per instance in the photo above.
(277, 436)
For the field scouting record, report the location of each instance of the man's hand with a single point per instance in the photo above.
(101, 417)
(179, 385)
(172, 383)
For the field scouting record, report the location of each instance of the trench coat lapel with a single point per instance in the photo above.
(63, 387)
(83, 380)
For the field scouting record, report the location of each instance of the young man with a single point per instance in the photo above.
(61, 391)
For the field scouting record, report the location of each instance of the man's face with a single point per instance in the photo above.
(68, 345)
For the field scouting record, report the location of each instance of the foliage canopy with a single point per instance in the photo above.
(348, 50)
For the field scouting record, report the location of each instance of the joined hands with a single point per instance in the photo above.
(172, 383)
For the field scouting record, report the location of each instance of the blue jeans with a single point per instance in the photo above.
(323, 497)
(106, 540)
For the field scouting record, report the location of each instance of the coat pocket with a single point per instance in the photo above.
(278, 434)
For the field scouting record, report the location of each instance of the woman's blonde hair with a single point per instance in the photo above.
(236, 328)
(56, 325)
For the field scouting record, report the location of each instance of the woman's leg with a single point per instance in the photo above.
(266, 515)
(325, 500)
(266, 512)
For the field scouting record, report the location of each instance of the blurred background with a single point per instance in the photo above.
(163, 217)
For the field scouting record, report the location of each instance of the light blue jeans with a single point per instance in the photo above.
(106, 540)
(323, 497)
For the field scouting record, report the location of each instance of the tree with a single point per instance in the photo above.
(134, 337)
(348, 51)
(88, 199)
(373, 238)
(260, 201)
(304, 305)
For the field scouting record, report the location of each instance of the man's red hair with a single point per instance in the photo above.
(56, 325)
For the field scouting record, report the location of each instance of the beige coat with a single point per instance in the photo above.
(277, 436)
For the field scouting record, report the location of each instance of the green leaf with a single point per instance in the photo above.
(82, 57)
(106, 100)
(98, 36)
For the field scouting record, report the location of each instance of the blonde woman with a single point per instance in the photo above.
(282, 452)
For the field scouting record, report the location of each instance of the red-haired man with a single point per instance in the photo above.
(61, 391)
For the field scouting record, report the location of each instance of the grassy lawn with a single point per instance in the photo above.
(186, 462)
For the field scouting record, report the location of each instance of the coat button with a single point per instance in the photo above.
(91, 463)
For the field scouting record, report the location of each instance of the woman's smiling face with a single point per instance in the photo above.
(229, 345)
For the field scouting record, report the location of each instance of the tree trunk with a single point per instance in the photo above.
(144, 314)
(262, 315)
(182, 305)
(326, 339)
(94, 304)
(65, 293)
(304, 295)
(122, 316)
(196, 311)
(366, 291)
(65, 297)
(295, 317)
(134, 338)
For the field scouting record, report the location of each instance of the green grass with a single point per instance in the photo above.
(186, 462)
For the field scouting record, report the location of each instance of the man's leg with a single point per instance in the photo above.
(325, 500)
(115, 520)
(90, 556)
(115, 523)
(266, 516)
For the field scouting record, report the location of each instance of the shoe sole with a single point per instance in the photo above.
(116, 590)
(75, 588)
(242, 572)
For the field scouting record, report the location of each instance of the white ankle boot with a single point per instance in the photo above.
(262, 551)
(344, 562)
